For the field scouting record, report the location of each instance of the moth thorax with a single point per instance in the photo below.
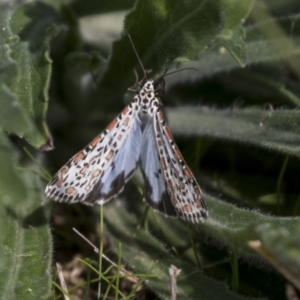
(144, 119)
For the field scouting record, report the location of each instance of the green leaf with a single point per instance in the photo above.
(13, 117)
(228, 225)
(236, 46)
(141, 250)
(259, 49)
(175, 33)
(276, 130)
(25, 250)
(33, 23)
(234, 227)
(9, 173)
(267, 84)
(232, 36)
(283, 244)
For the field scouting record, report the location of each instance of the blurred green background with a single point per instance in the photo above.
(65, 69)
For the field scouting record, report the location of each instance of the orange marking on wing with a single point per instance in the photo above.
(126, 121)
(83, 170)
(88, 187)
(95, 141)
(187, 172)
(110, 155)
(79, 156)
(163, 163)
(61, 174)
(63, 170)
(112, 125)
(187, 208)
(125, 110)
(168, 133)
(178, 154)
(71, 190)
(95, 173)
(160, 116)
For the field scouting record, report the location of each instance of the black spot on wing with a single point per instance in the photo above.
(164, 204)
(116, 187)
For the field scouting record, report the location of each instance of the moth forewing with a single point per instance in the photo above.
(139, 135)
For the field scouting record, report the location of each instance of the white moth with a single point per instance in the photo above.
(138, 136)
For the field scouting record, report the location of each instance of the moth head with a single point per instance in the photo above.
(159, 87)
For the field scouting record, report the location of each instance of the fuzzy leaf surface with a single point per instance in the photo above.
(33, 24)
(276, 130)
(25, 245)
(141, 250)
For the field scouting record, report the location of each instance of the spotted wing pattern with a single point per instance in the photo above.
(170, 186)
(139, 135)
(155, 188)
(99, 171)
(182, 187)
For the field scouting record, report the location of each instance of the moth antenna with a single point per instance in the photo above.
(136, 76)
(138, 57)
(165, 73)
(133, 88)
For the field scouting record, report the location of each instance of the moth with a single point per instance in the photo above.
(138, 136)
